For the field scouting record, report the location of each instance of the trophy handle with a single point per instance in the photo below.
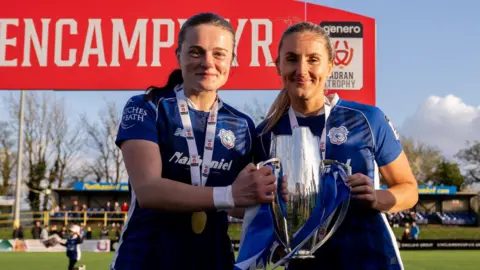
(280, 224)
(343, 209)
(336, 225)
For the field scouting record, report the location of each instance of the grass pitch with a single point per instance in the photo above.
(418, 260)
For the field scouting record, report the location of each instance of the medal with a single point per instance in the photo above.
(199, 171)
(199, 221)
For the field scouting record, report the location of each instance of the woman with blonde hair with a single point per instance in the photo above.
(351, 133)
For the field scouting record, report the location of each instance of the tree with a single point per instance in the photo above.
(46, 142)
(423, 158)
(470, 157)
(108, 163)
(256, 110)
(447, 173)
(66, 144)
(67, 140)
(7, 156)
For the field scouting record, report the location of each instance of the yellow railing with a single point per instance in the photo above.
(65, 217)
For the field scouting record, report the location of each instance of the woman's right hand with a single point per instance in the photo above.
(254, 186)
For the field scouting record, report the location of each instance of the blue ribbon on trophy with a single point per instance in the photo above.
(318, 196)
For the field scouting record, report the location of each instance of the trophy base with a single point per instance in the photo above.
(302, 263)
(303, 254)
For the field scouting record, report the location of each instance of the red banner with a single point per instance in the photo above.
(129, 45)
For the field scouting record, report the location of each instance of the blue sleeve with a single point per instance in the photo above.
(138, 121)
(387, 140)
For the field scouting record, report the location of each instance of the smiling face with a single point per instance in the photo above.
(205, 57)
(304, 64)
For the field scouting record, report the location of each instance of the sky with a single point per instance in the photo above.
(427, 70)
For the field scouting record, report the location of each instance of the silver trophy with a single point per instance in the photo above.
(298, 156)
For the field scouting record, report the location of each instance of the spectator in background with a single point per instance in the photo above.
(63, 233)
(76, 208)
(89, 233)
(44, 233)
(37, 230)
(104, 233)
(84, 208)
(118, 210)
(64, 209)
(55, 210)
(406, 233)
(414, 231)
(117, 207)
(17, 232)
(82, 231)
(109, 207)
(124, 207)
(118, 232)
(54, 230)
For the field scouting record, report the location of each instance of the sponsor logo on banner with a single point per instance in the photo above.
(347, 40)
(5, 246)
(87, 246)
(181, 158)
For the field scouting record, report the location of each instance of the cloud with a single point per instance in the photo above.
(445, 122)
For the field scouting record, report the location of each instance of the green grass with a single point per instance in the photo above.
(431, 232)
(418, 260)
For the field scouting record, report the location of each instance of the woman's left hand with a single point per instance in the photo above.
(362, 189)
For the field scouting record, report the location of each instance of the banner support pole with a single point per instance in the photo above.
(18, 187)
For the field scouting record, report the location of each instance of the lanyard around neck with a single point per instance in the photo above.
(198, 179)
(294, 124)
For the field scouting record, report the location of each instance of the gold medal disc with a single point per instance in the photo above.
(199, 221)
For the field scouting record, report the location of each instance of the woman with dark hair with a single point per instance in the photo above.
(188, 156)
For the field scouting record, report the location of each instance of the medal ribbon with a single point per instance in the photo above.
(197, 178)
(323, 138)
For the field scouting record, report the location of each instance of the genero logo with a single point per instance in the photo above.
(343, 56)
(347, 41)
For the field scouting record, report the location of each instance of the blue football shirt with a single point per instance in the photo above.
(363, 137)
(164, 240)
(72, 246)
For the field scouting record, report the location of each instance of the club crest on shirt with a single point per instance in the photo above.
(227, 138)
(338, 135)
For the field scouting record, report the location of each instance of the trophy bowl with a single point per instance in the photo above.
(313, 211)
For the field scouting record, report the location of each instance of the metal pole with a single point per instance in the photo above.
(18, 189)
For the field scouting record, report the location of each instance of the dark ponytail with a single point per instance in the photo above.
(174, 79)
